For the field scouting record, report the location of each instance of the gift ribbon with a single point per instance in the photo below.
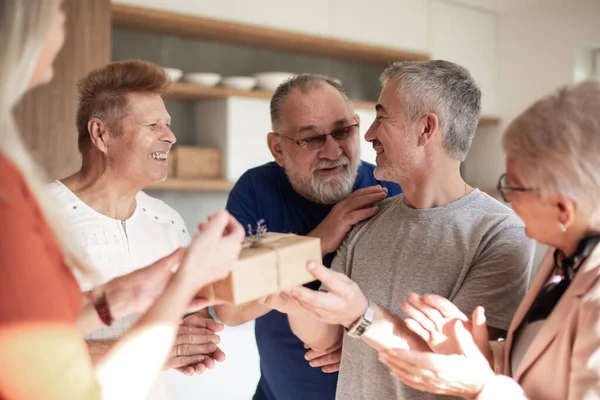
(250, 243)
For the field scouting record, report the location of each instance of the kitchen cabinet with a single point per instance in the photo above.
(399, 24)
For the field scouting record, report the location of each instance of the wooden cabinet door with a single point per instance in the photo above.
(46, 116)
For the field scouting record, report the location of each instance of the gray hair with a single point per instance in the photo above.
(445, 89)
(556, 145)
(306, 83)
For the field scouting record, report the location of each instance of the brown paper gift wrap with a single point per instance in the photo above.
(267, 266)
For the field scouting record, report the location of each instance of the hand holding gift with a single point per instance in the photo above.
(342, 304)
(269, 263)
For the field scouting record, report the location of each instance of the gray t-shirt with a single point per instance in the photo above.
(472, 251)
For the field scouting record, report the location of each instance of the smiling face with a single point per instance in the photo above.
(324, 174)
(139, 153)
(393, 136)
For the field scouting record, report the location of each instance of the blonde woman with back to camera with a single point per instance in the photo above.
(552, 351)
(42, 352)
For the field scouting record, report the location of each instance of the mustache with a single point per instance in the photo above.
(376, 143)
(343, 161)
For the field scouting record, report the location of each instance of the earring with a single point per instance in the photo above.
(562, 227)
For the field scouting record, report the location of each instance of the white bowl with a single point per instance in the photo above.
(239, 82)
(271, 80)
(208, 79)
(174, 74)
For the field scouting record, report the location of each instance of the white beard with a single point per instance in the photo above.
(329, 189)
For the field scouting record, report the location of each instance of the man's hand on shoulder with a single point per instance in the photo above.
(344, 215)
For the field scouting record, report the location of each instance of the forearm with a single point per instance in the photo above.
(380, 334)
(119, 300)
(98, 348)
(236, 315)
(317, 335)
(150, 340)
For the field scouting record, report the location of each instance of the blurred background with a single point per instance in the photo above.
(517, 51)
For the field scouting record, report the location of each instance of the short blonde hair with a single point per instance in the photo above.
(556, 146)
(103, 94)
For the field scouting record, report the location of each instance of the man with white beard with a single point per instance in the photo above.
(317, 186)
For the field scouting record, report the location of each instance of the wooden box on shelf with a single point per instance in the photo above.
(192, 162)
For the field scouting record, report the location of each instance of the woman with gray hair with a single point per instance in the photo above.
(553, 345)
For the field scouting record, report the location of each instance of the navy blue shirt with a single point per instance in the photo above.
(266, 193)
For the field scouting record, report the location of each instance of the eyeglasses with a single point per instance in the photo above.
(503, 187)
(318, 141)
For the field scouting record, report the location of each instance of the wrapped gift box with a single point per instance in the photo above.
(268, 265)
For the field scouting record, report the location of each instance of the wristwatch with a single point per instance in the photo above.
(363, 323)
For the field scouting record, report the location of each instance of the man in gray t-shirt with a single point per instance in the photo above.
(441, 236)
(472, 251)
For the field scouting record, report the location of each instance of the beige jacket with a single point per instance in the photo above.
(563, 362)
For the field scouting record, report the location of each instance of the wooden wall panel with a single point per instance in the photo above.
(46, 116)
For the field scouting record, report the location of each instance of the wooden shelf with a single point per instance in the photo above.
(149, 20)
(487, 121)
(205, 185)
(193, 92)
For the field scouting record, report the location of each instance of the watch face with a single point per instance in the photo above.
(359, 329)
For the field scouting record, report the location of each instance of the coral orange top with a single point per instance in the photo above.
(42, 354)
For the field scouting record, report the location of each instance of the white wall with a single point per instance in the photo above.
(467, 37)
(537, 50)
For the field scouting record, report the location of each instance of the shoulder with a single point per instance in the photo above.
(591, 268)
(159, 208)
(262, 175)
(61, 196)
(55, 188)
(499, 229)
(389, 202)
(262, 182)
(486, 209)
(379, 218)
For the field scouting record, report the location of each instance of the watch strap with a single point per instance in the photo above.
(363, 323)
